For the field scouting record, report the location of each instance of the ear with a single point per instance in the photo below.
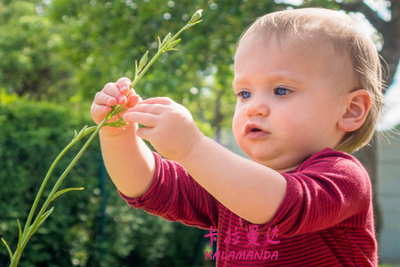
(358, 104)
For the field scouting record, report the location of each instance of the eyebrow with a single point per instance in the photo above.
(284, 76)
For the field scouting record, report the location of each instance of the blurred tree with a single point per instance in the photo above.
(31, 62)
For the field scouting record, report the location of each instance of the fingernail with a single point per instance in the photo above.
(120, 99)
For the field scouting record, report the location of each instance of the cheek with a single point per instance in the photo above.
(237, 124)
(303, 127)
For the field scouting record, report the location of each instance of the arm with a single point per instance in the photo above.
(175, 196)
(128, 160)
(252, 191)
(329, 189)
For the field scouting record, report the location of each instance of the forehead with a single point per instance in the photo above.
(307, 54)
(300, 42)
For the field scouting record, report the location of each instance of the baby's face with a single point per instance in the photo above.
(290, 98)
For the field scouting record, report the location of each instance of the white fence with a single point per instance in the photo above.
(389, 198)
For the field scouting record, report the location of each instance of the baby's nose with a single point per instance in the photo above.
(257, 108)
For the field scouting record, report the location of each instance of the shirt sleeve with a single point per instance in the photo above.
(329, 189)
(175, 196)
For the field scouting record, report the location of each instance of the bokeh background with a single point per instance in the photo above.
(56, 54)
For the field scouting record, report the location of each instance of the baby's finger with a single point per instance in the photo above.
(133, 100)
(111, 89)
(124, 85)
(145, 119)
(159, 100)
(98, 111)
(156, 109)
(104, 99)
(130, 94)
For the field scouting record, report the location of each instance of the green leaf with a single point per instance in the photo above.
(143, 60)
(45, 215)
(166, 38)
(35, 226)
(164, 41)
(112, 112)
(190, 25)
(118, 123)
(171, 45)
(59, 193)
(119, 110)
(136, 70)
(159, 43)
(8, 248)
(20, 233)
(80, 134)
(85, 131)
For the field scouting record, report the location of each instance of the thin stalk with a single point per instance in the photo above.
(35, 203)
(154, 58)
(27, 233)
(68, 169)
(160, 51)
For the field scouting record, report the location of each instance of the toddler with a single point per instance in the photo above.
(308, 86)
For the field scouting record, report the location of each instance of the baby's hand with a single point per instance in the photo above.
(111, 95)
(169, 127)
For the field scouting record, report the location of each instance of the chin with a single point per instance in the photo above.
(262, 158)
(277, 163)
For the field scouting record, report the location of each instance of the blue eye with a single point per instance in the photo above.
(243, 94)
(282, 91)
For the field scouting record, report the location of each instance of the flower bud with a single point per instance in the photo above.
(196, 16)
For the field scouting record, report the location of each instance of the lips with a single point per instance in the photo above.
(254, 132)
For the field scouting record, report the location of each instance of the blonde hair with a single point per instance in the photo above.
(347, 39)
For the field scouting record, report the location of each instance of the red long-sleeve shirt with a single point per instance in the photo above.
(325, 219)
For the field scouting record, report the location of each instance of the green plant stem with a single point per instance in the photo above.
(155, 57)
(33, 208)
(21, 246)
(27, 233)
(68, 169)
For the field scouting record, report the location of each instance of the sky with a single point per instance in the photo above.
(391, 102)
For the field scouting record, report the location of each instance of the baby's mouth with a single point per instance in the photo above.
(253, 132)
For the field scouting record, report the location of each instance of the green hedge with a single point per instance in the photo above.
(31, 136)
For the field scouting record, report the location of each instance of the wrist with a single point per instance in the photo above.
(108, 131)
(195, 150)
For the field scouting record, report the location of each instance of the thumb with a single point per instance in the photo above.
(133, 99)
